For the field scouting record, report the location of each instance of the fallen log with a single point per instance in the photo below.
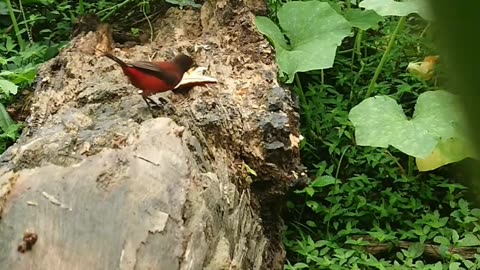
(100, 184)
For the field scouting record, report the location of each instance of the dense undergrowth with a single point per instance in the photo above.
(365, 207)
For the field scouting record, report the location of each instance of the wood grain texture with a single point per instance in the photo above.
(117, 200)
(165, 193)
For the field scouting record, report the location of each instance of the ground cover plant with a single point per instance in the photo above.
(381, 133)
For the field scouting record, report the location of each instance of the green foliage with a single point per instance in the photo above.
(339, 217)
(447, 151)
(396, 8)
(363, 19)
(182, 3)
(361, 196)
(379, 121)
(314, 30)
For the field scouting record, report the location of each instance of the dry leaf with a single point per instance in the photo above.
(424, 69)
(294, 140)
(55, 201)
(195, 77)
(104, 39)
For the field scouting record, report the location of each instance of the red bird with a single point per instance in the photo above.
(154, 77)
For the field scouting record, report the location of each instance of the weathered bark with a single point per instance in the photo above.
(105, 186)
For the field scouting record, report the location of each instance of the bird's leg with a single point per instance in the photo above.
(163, 101)
(152, 56)
(146, 99)
(152, 101)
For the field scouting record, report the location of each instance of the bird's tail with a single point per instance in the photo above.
(116, 59)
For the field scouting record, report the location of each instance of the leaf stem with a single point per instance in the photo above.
(410, 166)
(357, 46)
(340, 162)
(114, 9)
(425, 30)
(148, 20)
(303, 100)
(398, 163)
(385, 55)
(15, 26)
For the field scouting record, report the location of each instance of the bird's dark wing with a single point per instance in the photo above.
(150, 68)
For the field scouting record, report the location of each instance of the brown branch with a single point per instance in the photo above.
(378, 249)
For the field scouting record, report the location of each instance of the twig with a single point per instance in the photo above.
(398, 163)
(146, 160)
(374, 247)
(385, 55)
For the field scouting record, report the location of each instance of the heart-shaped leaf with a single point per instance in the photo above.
(379, 121)
(314, 30)
(395, 8)
(363, 19)
(446, 152)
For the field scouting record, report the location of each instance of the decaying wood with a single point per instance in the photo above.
(105, 186)
(431, 251)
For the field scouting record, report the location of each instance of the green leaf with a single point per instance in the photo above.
(3, 60)
(363, 19)
(310, 191)
(9, 44)
(5, 119)
(379, 122)
(250, 170)
(442, 240)
(469, 219)
(184, 3)
(314, 30)
(416, 250)
(323, 181)
(468, 264)
(437, 266)
(25, 74)
(13, 131)
(8, 87)
(311, 224)
(271, 30)
(469, 240)
(447, 151)
(463, 204)
(3, 8)
(455, 236)
(300, 265)
(394, 8)
(454, 266)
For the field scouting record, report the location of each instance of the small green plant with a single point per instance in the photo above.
(190, 3)
(344, 220)
(361, 198)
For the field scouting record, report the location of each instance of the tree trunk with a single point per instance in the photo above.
(106, 186)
